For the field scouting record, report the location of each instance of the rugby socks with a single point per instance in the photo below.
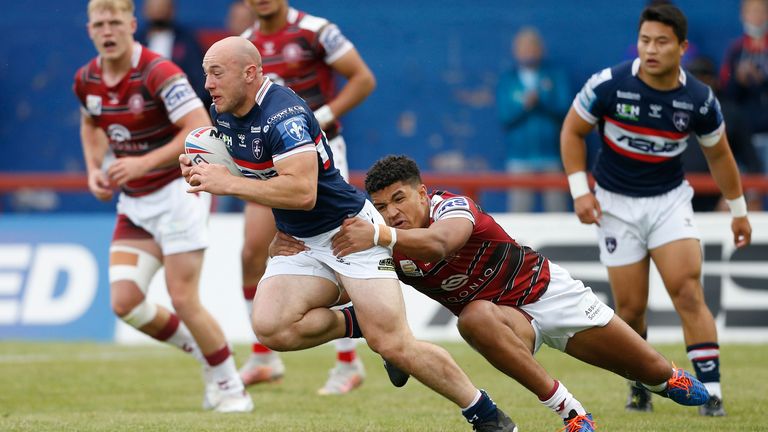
(706, 362)
(481, 409)
(345, 350)
(561, 401)
(223, 370)
(350, 323)
(259, 349)
(181, 338)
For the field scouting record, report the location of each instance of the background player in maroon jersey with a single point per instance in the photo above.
(141, 106)
(302, 52)
(509, 299)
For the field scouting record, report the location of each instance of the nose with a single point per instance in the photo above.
(208, 82)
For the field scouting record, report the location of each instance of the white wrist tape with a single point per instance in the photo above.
(393, 233)
(324, 115)
(578, 184)
(375, 234)
(738, 206)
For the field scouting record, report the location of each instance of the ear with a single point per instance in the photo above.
(134, 25)
(683, 47)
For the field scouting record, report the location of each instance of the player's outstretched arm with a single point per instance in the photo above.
(432, 244)
(573, 149)
(726, 174)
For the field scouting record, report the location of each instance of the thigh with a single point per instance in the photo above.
(678, 262)
(259, 228)
(621, 234)
(182, 273)
(286, 298)
(125, 291)
(379, 306)
(629, 283)
(507, 318)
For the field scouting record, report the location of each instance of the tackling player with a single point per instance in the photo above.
(140, 106)
(509, 298)
(302, 52)
(645, 111)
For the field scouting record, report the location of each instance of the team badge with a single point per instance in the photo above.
(610, 244)
(294, 127)
(93, 104)
(136, 104)
(257, 148)
(681, 119)
(292, 53)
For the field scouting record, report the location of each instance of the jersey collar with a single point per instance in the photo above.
(265, 85)
(680, 77)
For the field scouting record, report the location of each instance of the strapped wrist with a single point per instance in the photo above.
(577, 183)
(738, 206)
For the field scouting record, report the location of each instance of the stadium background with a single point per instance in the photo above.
(436, 63)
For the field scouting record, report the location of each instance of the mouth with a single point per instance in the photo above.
(109, 45)
(401, 224)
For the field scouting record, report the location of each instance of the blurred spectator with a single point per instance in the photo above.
(737, 131)
(240, 17)
(161, 34)
(533, 98)
(744, 73)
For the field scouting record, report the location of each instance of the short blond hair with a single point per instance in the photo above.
(111, 5)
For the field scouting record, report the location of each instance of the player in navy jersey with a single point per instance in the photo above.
(304, 53)
(645, 111)
(277, 142)
(140, 107)
(509, 299)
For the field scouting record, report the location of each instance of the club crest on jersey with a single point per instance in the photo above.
(257, 148)
(409, 268)
(610, 244)
(681, 119)
(118, 133)
(136, 104)
(93, 104)
(294, 127)
(292, 53)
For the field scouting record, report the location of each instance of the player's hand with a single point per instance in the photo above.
(588, 209)
(285, 245)
(127, 168)
(742, 231)
(99, 185)
(211, 178)
(355, 235)
(185, 163)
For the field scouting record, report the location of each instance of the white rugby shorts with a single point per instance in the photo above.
(631, 226)
(373, 263)
(177, 220)
(566, 308)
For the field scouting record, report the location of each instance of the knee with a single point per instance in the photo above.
(689, 297)
(390, 348)
(184, 301)
(632, 312)
(474, 319)
(273, 336)
(122, 308)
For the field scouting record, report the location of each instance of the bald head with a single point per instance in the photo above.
(233, 74)
(235, 49)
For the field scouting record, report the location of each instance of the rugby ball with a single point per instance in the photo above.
(204, 145)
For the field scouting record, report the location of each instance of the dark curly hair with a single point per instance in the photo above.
(390, 170)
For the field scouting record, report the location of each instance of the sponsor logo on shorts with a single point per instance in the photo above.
(593, 310)
(387, 264)
(610, 244)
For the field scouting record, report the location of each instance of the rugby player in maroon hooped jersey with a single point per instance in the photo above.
(509, 299)
(140, 107)
(302, 52)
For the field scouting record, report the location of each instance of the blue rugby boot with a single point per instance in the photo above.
(685, 389)
(579, 423)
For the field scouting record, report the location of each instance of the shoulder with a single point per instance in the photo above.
(309, 22)
(444, 205)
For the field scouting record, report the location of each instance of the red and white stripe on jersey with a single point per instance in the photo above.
(263, 171)
(450, 207)
(641, 143)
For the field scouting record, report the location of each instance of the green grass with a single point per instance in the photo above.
(91, 387)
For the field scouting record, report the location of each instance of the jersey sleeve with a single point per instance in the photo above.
(77, 89)
(454, 207)
(290, 135)
(709, 125)
(166, 81)
(588, 103)
(333, 42)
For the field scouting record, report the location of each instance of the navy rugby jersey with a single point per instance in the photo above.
(280, 125)
(644, 131)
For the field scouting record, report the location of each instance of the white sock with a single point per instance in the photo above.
(345, 344)
(562, 402)
(183, 340)
(713, 388)
(225, 375)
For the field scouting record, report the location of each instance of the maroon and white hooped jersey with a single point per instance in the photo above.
(298, 57)
(490, 266)
(138, 113)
